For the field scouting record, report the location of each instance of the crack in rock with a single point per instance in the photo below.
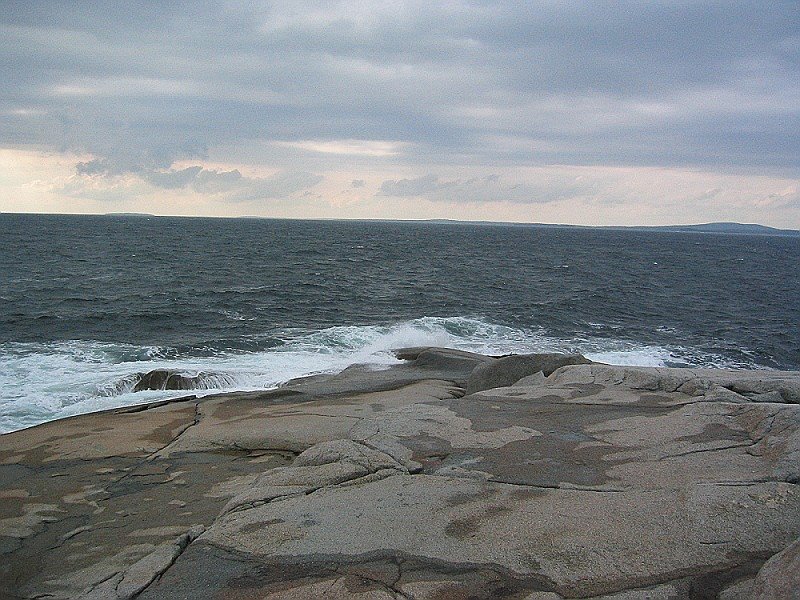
(129, 583)
(324, 465)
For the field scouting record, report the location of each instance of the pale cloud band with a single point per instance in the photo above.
(610, 187)
(230, 186)
(584, 194)
(547, 186)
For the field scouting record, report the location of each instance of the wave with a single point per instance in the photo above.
(42, 382)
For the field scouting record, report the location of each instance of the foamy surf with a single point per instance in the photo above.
(42, 382)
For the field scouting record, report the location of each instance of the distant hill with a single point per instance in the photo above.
(736, 228)
(123, 214)
(719, 228)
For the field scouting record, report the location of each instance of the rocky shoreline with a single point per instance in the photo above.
(451, 475)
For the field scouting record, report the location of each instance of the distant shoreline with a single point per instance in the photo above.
(714, 228)
(719, 228)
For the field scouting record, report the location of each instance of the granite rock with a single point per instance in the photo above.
(571, 481)
(165, 379)
(507, 370)
(779, 578)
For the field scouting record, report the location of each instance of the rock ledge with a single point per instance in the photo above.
(451, 475)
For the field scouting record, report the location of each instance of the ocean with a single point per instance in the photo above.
(86, 302)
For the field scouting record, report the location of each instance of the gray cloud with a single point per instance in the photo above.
(358, 183)
(231, 185)
(491, 188)
(419, 186)
(173, 179)
(700, 83)
(93, 167)
(278, 186)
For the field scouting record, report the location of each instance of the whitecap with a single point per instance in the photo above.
(42, 382)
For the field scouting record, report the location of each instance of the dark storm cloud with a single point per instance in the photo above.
(659, 83)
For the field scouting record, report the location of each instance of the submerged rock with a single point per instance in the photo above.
(164, 379)
(583, 480)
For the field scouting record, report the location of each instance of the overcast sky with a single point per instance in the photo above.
(580, 112)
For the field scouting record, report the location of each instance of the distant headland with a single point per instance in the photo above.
(717, 227)
(724, 228)
(720, 228)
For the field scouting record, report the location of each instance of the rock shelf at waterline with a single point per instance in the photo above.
(450, 474)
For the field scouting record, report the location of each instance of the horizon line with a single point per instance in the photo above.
(442, 221)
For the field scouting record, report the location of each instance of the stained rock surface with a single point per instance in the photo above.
(574, 480)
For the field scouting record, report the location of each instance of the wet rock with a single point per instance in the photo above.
(164, 379)
(421, 364)
(510, 369)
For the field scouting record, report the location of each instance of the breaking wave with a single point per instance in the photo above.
(40, 382)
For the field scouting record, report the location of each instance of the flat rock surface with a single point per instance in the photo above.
(586, 481)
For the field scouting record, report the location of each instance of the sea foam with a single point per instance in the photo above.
(42, 382)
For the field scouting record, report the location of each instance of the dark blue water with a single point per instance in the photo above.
(95, 298)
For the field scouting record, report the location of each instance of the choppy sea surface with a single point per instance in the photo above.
(86, 302)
